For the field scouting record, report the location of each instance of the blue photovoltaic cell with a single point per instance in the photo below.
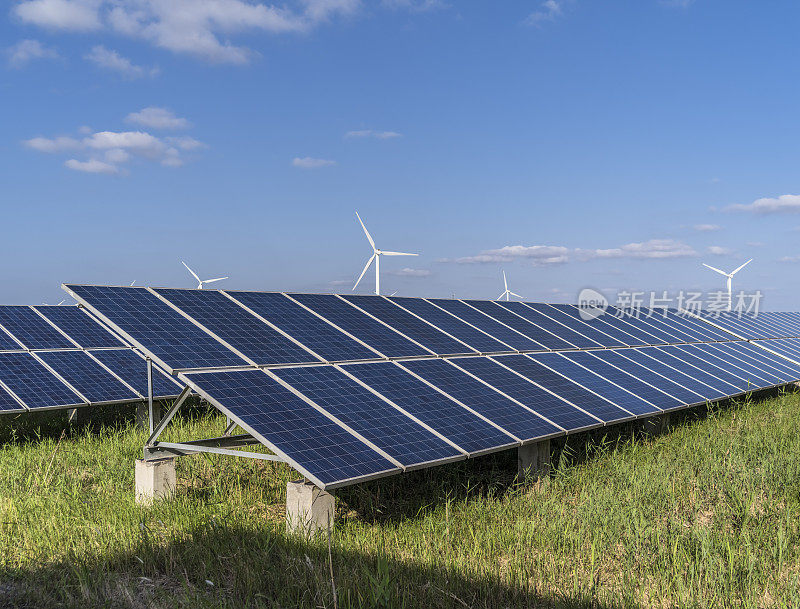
(240, 329)
(484, 400)
(681, 375)
(675, 390)
(496, 311)
(33, 383)
(316, 444)
(132, 369)
(763, 364)
(413, 327)
(573, 321)
(305, 327)
(607, 324)
(679, 331)
(629, 401)
(158, 328)
(697, 369)
(775, 346)
(753, 351)
(31, 330)
(375, 419)
(564, 329)
(8, 404)
(628, 379)
(731, 325)
(553, 408)
(654, 335)
(87, 376)
(360, 325)
(564, 388)
(452, 325)
(80, 327)
(543, 329)
(706, 331)
(7, 343)
(488, 324)
(453, 421)
(753, 378)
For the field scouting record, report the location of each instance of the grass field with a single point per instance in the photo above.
(704, 516)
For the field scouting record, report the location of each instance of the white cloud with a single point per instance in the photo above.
(654, 248)
(548, 10)
(91, 166)
(789, 259)
(25, 51)
(409, 272)
(781, 204)
(416, 6)
(538, 255)
(717, 250)
(56, 144)
(707, 228)
(108, 59)
(380, 135)
(186, 143)
(754, 244)
(157, 118)
(308, 162)
(74, 15)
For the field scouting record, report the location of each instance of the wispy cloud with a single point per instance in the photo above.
(157, 118)
(110, 60)
(91, 166)
(409, 272)
(538, 255)
(548, 10)
(789, 259)
(654, 248)
(415, 6)
(767, 205)
(371, 133)
(308, 162)
(26, 51)
(707, 228)
(718, 250)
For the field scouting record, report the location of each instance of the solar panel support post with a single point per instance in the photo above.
(309, 509)
(150, 394)
(533, 460)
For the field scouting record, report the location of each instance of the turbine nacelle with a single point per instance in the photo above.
(507, 294)
(200, 282)
(729, 280)
(376, 257)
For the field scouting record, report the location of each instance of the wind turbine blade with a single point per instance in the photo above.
(393, 293)
(715, 269)
(191, 271)
(132, 282)
(213, 280)
(741, 267)
(501, 295)
(371, 258)
(505, 281)
(61, 303)
(366, 232)
(515, 294)
(397, 254)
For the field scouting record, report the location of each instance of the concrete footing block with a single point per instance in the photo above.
(154, 480)
(533, 460)
(654, 426)
(309, 509)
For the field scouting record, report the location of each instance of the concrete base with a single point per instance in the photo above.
(654, 425)
(533, 460)
(154, 480)
(143, 414)
(309, 509)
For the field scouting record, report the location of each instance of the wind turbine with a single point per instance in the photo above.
(376, 256)
(201, 282)
(508, 293)
(730, 275)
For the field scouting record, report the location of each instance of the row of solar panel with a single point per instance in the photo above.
(194, 329)
(51, 327)
(761, 326)
(71, 378)
(351, 422)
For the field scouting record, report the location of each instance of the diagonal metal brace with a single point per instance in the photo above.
(168, 417)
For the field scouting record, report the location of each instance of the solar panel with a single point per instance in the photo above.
(159, 329)
(87, 376)
(456, 423)
(8, 405)
(652, 334)
(593, 361)
(7, 343)
(81, 328)
(697, 369)
(706, 331)
(596, 383)
(656, 318)
(677, 372)
(475, 338)
(409, 325)
(546, 331)
(751, 367)
(506, 317)
(243, 331)
(551, 407)
(34, 384)
(592, 336)
(322, 450)
(360, 325)
(782, 346)
(305, 327)
(31, 330)
(382, 424)
(508, 414)
(132, 369)
(564, 388)
(487, 324)
(757, 352)
(726, 369)
(606, 324)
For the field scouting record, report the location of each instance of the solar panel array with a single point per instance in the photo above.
(55, 357)
(350, 388)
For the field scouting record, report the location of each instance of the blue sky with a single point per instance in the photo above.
(613, 145)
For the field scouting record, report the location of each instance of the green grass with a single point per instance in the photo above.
(704, 516)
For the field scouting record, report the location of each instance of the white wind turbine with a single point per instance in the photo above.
(507, 293)
(729, 281)
(201, 282)
(376, 256)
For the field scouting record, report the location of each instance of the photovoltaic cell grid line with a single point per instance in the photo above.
(240, 329)
(132, 368)
(34, 384)
(31, 330)
(81, 328)
(7, 343)
(315, 333)
(171, 338)
(87, 376)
